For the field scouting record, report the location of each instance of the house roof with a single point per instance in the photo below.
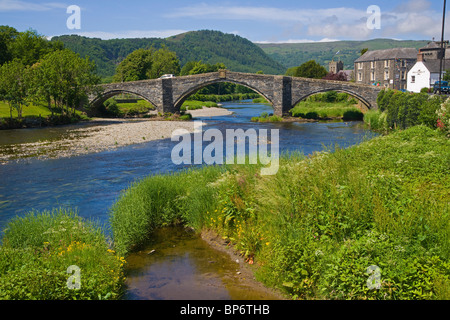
(433, 65)
(388, 54)
(433, 45)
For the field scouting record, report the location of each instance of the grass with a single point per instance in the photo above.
(142, 106)
(32, 110)
(325, 110)
(195, 105)
(38, 249)
(315, 227)
(265, 117)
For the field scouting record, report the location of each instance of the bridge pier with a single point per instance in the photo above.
(282, 95)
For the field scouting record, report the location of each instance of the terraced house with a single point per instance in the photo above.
(387, 68)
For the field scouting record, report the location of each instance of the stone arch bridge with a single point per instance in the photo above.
(168, 95)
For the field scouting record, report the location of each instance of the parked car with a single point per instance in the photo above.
(444, 87)
(167, 76)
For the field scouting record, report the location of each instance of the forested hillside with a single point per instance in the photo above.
(237, 53)
(294, 54)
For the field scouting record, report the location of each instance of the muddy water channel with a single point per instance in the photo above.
(182, 265)
(178, 264)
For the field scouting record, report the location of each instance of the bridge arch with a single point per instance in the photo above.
(114, 92)
(363, 100)
(192, 90)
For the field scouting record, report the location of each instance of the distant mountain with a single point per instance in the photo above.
(294, 54)
(212, 47)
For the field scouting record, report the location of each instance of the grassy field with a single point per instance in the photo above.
(29, 111)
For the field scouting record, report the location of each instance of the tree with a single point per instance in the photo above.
(340, 76)
(15, 80)
(198, 67)
(66, 78)
(135, 67)
(310, 69)
(30, 47)
(144, 64)
(164, 62)
(7, 36)
(364, 51)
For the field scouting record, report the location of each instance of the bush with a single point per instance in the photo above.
(37, 250)
(405, 110)
(353, 115)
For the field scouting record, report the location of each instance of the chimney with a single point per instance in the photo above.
(420, 57)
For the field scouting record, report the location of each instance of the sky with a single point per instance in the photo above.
(261, 21)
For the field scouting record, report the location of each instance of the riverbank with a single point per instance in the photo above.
(315, 228)
(99, 134)
(106, 135)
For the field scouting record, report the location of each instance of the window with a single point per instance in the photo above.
(403, 75)
(386, 75)
(372, 76)
(386, 63)
(359, 76)
(372, 64)
(403, 63)
(360, 65)
(413, 79)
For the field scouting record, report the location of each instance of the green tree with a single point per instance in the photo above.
(364, 50)
(15, 80)
(164, 62)
(310, 69)
(66, 78)
(144, 64)
(198, 67)
(136, 66)
(7, 36)
(30, 47)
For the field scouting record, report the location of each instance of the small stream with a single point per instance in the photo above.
(183, 266)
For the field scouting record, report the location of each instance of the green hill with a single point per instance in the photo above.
(294, 54)
(212, 47)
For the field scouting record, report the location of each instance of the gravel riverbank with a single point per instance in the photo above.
(107, 134)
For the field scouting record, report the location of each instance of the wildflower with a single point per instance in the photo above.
(318, 253)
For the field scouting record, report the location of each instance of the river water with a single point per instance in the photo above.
(92, 183)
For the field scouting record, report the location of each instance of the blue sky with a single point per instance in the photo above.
(258, 21)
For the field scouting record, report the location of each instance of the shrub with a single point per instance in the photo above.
(37, 250)
(353, 115)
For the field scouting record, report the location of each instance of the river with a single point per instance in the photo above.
(92, 183)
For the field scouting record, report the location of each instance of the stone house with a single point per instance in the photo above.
(387, 68)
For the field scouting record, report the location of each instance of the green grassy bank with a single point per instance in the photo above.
(37, 250)
(35, 115)
(314, 228)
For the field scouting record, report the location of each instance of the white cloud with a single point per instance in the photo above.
(18, 5)
(207, 11)
(412, 18)
(131, 34)
(298, 41)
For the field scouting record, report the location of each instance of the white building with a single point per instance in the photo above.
(424, 73)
